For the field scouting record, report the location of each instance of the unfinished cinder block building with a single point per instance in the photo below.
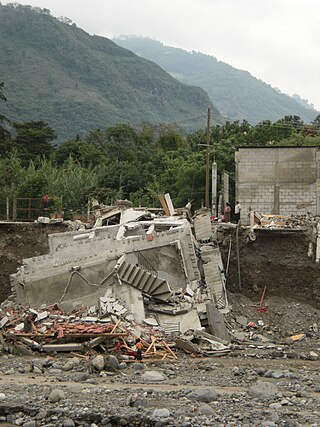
(278, 180)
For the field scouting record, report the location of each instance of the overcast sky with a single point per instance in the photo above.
(277, 41)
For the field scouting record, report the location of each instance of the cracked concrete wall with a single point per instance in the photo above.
(44, 279)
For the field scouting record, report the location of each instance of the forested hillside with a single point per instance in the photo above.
(237, 94)
(58, 73)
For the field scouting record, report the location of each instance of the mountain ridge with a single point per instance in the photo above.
(236, 93)
(78, 82)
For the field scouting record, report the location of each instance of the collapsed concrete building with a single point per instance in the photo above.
(142, 267)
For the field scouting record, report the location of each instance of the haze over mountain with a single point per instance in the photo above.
(236, 93)
(56, 72)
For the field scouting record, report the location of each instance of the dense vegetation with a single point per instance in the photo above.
(236, 93)
(126, 162)
(77, 82)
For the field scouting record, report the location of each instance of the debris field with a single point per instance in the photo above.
(148, 317)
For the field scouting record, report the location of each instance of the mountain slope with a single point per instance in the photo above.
(237, 94)
(77, 82)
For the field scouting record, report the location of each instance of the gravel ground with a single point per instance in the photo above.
(251, 386)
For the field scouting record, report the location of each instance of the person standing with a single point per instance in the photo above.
(45, 201)
(139, 347)
(237, 211)
(227, 212)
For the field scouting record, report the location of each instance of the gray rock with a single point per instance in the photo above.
(205, 395)
(112, 363)
(68, 366)
(206, 410)
(98, 362)
(141, 402)
(80, 376)
(277, 374)
(263, 390)
(2, 396)
(122, 365)
(68, 422)
(161, 413)
(56, 395)
(163, 422)
(313, 356)
(152, 376)
(29, 424)
(37, 369)
(54, 371)
(275, 405)
(138, 366)
(41, 414)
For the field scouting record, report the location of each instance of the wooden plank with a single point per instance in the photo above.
(164, 205)
(169, 349)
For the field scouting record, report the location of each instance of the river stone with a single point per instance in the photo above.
(206, 410)
(152, 376)
(56, 395)
(79, 376)
(68, 366)
(98, 362)
(68, 422)
(112, 363)
(138, 366)
(205, 395)
(263, 390)
(161, 413)
(2, 396)
(277, 374)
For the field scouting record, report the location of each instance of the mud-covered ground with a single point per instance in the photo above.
(277, 260)
(18, 241)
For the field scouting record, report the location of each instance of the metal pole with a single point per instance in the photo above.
(208, 158)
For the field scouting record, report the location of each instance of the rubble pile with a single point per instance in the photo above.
(129, 323)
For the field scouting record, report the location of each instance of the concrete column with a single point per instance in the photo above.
(225, 187)
(276, 202)
(214, 188)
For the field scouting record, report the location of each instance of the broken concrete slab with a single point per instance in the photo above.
(187, 321)
(187, 345)
(202, 226)
(216, 323)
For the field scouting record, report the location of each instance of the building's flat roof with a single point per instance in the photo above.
(277, 146)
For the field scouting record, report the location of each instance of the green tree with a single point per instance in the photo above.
(83, 152)
(5, 136)
(33, 139)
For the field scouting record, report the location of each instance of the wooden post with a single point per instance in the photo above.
(14, 206)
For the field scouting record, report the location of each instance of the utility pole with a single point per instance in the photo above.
(208, 158)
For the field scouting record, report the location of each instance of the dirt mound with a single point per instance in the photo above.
(276, 260)
(19, 241)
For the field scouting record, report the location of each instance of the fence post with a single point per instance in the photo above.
(14, 209)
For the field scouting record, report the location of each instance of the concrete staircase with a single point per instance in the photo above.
(146, 282)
